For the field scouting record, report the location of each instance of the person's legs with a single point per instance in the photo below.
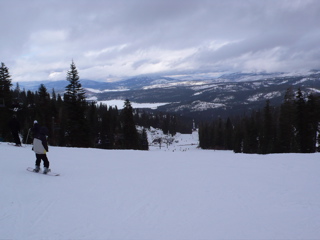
(38, 160)
(16, 138)
(46, 162)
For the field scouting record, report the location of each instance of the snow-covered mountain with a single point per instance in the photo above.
(207, 95)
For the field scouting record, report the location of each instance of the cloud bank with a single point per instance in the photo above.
(112, 39)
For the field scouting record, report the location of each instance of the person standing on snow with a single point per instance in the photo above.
(15, 129)
(40, 147)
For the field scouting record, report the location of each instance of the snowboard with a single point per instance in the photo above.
(13, 144)
(30, 169)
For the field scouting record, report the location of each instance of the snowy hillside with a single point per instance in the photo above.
(179, 192)
(179, 142)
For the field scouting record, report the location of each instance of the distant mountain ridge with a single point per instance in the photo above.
(228, 94)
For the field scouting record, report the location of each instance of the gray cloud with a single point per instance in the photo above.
(122, 38)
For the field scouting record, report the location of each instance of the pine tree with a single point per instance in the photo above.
(229, 135)
(301, 122)
(251, 134)
(287, 140)
(204, 135)
(74, 94)
(267, 136)
(43, 106)
(130, 134)
(312, 124)
(54, 118)
(93, 120)
(144, 140)
(77, 129)
(219, 141)
(5, 84)
(239, 136)
(5, 101)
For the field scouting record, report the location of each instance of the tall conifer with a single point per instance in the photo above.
(5, 84)
(77, 129)
(287, 140)
(130, 134)
(5, 100)
(301, 122)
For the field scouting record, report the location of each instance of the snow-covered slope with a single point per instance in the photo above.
(180, 193)
(166, 142)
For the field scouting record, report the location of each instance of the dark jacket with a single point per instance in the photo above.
(35, 129)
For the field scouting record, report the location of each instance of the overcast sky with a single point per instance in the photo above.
(108, 39)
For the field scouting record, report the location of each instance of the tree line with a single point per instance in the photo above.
(73, 121)
(70, 119)
(292, 127)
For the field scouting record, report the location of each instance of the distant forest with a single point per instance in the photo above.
(292, 127)
(73, 121)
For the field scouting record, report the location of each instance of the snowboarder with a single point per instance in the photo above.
(15, 129)
(40, 147)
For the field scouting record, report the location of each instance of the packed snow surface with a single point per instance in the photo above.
(176, 192)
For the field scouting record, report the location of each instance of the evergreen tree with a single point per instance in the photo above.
(239, 136)
(130, 134)
(5, 101)
(301, 122)
(17, 91)
(287, 140)
(74, 94)
(54, 109)
(104, 136)
(219, 139)
(93, 120)
(229, 134)
(312, 121)
(77, 129)
(267, 136)
(144, 140)
(202, 135)
(43, 106)
(251, 133)
(5, 84)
